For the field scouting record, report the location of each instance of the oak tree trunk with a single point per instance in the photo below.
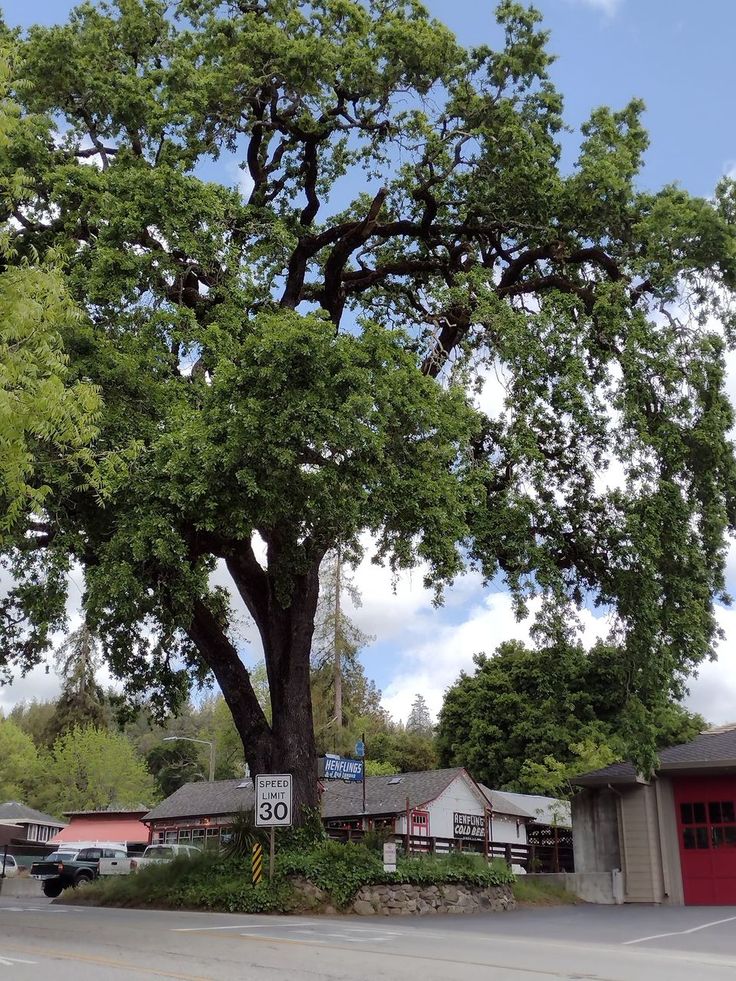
(287, 744)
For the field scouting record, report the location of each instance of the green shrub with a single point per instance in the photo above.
(310, 833)
(243, 835)
(341, 869)
(223, 882)
(375, 840)
(338, 869)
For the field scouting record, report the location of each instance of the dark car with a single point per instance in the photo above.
(62, 869)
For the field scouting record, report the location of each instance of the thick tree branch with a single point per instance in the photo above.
(232, 676)
(251, 581)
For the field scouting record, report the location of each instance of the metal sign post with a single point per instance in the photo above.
(273, 807)
(360, 753)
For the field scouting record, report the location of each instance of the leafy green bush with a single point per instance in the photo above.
(310, 833)
(243, 835)
(338, 869)
(216, 882)
(377, 838)
(223, 882)
(341, 869)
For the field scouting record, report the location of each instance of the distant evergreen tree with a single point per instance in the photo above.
(82, 701)
(419, 721)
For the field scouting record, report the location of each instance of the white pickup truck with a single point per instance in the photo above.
(153, 855)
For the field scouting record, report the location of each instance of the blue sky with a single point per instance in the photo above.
(674, 54)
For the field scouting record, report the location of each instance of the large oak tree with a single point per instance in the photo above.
(289, 360)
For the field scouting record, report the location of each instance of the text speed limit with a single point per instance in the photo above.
(273, 800)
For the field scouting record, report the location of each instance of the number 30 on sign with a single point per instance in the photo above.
(273, 800)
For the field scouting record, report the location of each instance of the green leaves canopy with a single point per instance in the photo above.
(292, 357)
(45, 422)
(528, 720)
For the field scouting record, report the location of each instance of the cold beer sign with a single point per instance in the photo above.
(273, 800)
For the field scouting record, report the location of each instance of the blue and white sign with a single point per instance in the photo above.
(342, 768)
(360, 749)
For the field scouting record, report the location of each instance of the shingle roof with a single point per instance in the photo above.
(13, 811)
(710, 750)
(339, 799)
(383, 795)
(615, 773)
(201, 798)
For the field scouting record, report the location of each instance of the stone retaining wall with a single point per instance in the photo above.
(408, 900)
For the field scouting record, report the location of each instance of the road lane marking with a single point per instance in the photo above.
(514, 969)
(106, 962)
(9, 961)
(678, 933)
(210, 929)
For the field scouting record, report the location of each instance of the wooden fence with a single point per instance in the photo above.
(532, 858)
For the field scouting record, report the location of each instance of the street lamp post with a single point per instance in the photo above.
(205, 742)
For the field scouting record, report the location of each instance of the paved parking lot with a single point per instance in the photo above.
(581, 942)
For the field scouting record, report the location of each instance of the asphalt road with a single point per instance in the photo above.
(585, 943)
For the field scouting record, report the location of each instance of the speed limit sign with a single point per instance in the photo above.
(273, 800)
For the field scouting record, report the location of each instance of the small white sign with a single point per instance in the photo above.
(273, 800)
(389, 856)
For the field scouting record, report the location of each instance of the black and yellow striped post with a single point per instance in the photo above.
(256, 863)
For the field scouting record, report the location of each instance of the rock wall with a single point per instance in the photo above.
(408, 900)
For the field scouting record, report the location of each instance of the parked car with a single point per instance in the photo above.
(11, 866)
(62, 869)
(153, 855)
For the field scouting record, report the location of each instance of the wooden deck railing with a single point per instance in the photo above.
(531, 858)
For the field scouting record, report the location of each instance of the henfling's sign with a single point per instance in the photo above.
(469, 826)
(342, 768)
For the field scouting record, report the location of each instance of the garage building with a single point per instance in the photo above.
(673, 837)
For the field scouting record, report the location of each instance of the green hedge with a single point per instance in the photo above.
(223, 883)
(341, 870)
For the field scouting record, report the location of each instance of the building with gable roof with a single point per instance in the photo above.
(430, 803)
(673, 835)
(27, 824)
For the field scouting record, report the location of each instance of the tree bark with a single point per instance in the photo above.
(288, 745)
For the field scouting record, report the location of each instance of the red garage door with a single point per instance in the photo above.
(706, 815)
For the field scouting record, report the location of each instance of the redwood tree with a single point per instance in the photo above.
(287, 363)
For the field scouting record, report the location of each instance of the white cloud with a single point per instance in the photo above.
(492, 397)
(40, 685)
(713, 691)
(433, 663)
(243, 180)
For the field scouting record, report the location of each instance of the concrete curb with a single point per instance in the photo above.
(20, 888)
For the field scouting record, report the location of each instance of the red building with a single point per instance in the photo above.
(123, 826)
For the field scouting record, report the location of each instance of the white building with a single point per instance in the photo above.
(440, 804)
